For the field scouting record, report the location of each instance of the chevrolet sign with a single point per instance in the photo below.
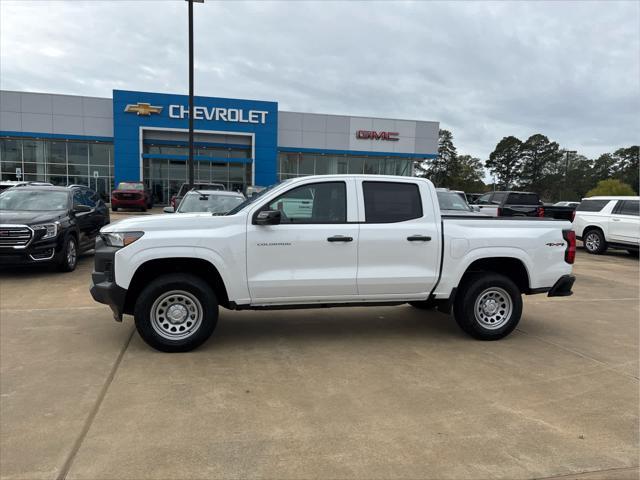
(219, 114)
(144, 109)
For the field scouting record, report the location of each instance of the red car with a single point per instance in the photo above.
(131, 195)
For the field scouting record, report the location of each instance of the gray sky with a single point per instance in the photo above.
(569, 70)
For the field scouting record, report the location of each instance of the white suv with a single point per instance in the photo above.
(602, 222)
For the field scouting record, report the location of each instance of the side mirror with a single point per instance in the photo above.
(169, 210)
(82, 209)
(268, 217)
(475, 208)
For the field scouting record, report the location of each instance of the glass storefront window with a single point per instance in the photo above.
(78, 170)
(57, 169)
(288, 164)
(306, 165)
(220, 173)
(77, 153)
(99, 154)
(343, 163)
(10, 157)
(372, 165)
(57, 152)
(326, 165)
(356, 165)
(33, 151)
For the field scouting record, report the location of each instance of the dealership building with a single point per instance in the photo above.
(67, 139)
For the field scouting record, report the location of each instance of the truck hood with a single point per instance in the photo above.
(181, 221)
(24, 217)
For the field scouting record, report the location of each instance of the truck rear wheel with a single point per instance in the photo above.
(176, 312)
(488, 306)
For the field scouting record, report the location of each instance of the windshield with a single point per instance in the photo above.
(33, 200)
(255, 197)
(130, 186)
(452, 201)
(195, 202)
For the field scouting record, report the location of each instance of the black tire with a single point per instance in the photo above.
(164, 287)
(594, 242)
(423, 304)
(114, 209)
(143, 209)
(68, 259)
(478, 323)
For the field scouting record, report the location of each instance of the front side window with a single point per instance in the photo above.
(591, 205)
(484, 199)
(498, 198)
(314, 203)
(390, 202)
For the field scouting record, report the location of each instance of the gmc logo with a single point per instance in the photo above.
(372, 135)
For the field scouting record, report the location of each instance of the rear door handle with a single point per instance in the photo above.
(419, 238)
(340, 238)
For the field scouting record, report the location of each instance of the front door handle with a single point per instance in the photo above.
(340, 238)
(419, 238)
(615, 219)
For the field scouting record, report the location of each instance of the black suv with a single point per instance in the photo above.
(45, 225)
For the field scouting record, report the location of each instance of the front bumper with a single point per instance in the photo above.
(562, 288)
(40, 252)
(103, 286)
(129, 202)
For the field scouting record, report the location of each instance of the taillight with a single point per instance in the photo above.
(570, 251)
(573, 216)
(499, 212)
(541, 212)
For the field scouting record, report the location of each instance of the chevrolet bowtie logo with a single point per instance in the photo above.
(142, 108)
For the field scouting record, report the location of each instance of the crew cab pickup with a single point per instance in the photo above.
(364, 240)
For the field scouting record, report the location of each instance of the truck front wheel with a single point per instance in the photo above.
(488, 306)
(176, 312)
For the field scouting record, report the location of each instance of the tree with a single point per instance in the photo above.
(467, 175)
(626, 165)
(438, 170)
(539, 159)
(504, 162)
(611, 186)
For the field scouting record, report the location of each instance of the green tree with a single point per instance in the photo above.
(467, 175)
(611, 186)
(504, 162)
(539, 159)
(438, 170)
(627, 165)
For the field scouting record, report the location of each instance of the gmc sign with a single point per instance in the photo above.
(372, 135)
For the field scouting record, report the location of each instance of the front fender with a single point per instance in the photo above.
(128, 262)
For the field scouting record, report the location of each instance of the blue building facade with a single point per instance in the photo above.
(143, 136)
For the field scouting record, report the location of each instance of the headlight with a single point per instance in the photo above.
(50, 230)
(120, 239)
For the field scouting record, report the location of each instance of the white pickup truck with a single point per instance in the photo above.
(365, 240)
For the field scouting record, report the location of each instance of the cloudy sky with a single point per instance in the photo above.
(569, 70)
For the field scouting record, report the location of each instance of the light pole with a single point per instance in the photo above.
(190, 159)
(566, 168)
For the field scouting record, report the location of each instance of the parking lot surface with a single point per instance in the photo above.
(366, 393)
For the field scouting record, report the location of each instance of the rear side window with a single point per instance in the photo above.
(591, 205)
(629, 207)
(389, 202)
(523, 199)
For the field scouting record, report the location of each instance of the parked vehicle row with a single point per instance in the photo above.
(363, 240)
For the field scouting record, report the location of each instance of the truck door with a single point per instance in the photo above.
(624, 225)
(399, 246)
(486, 206)
(312, 254)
